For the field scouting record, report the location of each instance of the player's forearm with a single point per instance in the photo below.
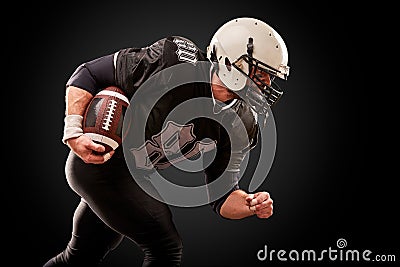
(235, 206)
(76, 100)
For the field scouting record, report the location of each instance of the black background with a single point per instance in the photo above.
(328, 181)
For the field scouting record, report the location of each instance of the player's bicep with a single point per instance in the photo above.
(94, 75)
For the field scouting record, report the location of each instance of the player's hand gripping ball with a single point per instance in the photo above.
(104, 117)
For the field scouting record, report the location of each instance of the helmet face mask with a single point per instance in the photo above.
(271, 92)
(260, 96)
(246, 50)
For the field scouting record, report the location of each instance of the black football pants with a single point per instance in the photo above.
(113, 206)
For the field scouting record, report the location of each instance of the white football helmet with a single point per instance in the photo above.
(249, 44)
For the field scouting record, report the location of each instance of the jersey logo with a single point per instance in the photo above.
(165, 148)
(187, 51)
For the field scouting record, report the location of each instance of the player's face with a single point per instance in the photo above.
(259, 90)
(261, 76)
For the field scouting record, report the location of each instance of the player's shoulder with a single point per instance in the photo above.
(182, 42)
(180, 49)
(167, 51)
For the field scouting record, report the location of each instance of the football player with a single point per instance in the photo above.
(244, 57)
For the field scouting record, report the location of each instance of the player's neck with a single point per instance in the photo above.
(220, 91)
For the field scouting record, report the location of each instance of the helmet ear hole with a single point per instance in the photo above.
(228, 64)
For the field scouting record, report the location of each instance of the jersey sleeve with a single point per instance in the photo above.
(94, 75)
(231, 150)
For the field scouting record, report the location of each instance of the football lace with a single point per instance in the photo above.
(110, 114)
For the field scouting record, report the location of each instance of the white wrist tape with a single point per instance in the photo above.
(72, 127)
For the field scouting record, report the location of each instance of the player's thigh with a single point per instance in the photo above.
(114, 195)
(131, 211)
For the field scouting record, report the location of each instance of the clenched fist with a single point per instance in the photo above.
(261, 204)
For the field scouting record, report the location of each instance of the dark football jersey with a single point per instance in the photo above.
(155, 139)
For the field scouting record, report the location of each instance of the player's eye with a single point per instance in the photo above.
(263, 78)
